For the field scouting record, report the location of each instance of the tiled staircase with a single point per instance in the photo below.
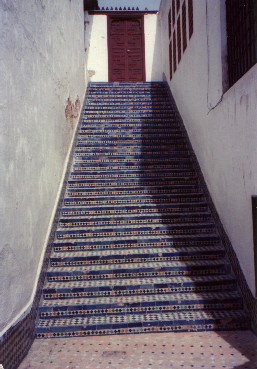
(136, 248)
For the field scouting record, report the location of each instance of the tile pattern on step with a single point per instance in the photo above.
(136, 249)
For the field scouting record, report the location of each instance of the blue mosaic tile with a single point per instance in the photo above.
(136, 248)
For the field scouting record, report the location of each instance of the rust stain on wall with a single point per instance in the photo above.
(72, 110)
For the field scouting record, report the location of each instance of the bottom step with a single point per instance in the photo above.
(145, 323)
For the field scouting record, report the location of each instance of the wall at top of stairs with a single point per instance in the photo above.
(97, 48)
(221, 124)
(42, 65)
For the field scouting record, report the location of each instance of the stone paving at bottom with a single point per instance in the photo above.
(230, 350)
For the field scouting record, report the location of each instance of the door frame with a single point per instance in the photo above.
(124, 16)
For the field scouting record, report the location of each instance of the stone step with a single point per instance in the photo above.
(155, 104)
(130, 179)
(103, 161)
(166, 301)
(161, 255)
(144, 269)
(79, 187)
(123, 92)
(72, 275)
(157, 108)
(127, 142)
(108, 135)
(80, 167)
(136, 231)
(113, 165)
(71, 222)
(183, 196)
(116, 254)
(177, 208)
(131, 124)
(119, 287)
(144, 202)
(143, 323)
(74, 260)
(126, 244)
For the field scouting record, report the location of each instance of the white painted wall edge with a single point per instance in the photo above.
(25, 311)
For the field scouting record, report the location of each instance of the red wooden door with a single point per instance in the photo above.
(126, 49)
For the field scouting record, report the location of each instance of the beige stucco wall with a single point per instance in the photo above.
(153, 48)
(97, 53)
(221, 127)
(41, 65)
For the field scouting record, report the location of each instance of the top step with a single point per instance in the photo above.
(131, 88)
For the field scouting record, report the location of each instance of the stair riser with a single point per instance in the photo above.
(123, 162)
(155, 193)
(48, 295)
(130, 244)
(150, 182)
(167, 209)
(142, 273)
(77, 262)
(90, 312)
(131, 169)
(128, 290)
(74, 222)
(171, 327)
(77, 198)
(77, 189)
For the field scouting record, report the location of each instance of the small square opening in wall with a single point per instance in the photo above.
(241, 37)
(254, 212)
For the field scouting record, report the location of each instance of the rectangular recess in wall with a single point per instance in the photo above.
(179, 38)
(170, 59)
(177, 6)
(169, 23)
(190, 17)
(254, 214)
(174, 49)
(241, 37)
(173, 13)
(184, 25)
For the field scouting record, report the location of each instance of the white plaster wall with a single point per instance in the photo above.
(41, 65)
(97, 62)
(153, 49)
(222, 129)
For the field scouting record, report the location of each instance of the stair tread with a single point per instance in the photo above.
(143, 282)
(135, 251)
(151, 265)
(162, 317)
(172, 298)
(132, 238)
(153, 216)
(146, 226)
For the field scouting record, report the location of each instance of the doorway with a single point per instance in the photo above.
(126, 51)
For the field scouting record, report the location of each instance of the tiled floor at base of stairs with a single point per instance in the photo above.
(230, 350)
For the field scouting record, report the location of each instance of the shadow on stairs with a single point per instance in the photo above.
(136, 249)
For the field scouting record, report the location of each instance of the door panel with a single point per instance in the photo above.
(126, 50)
